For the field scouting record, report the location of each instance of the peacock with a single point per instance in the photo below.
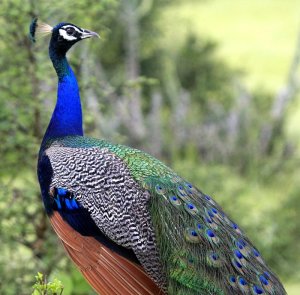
(130, 223)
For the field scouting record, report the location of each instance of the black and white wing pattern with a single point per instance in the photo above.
(102, 185)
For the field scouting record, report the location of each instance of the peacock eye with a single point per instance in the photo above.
(70, 30)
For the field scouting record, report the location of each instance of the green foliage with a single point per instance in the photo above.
(208, 79)
(42, 287)
(289, 244)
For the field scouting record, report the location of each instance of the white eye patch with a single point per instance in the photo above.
(63, 32)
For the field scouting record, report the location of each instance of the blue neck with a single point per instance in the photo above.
(67, 116)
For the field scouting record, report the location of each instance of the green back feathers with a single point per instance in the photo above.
(139, 163)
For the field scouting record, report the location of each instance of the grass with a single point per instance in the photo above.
(258, 36)
(292, 288)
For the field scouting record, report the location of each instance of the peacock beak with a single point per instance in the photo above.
(88, 34)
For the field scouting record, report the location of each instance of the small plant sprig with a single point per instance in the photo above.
(42, 287)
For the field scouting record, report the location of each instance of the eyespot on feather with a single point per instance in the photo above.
(265, 282)
(160, 189)
(232, 281)
(237, 265)
(257, 290)
(181, 191)
(191, 208)
(175, 201)
(191, 235)
(214, 259)
(211, 236)
(243, 284)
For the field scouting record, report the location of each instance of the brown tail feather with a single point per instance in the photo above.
(107, 272)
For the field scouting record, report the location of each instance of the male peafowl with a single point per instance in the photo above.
(130, 223)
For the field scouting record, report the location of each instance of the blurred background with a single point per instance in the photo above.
(209, 87)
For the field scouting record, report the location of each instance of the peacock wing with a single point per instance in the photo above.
(95, 194)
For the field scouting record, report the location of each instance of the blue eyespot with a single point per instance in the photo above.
(208, 220)
(263, 280)
(240, 244)
(194, 233)
(258, 290)
(210, 213)
(199, 226)
(232, 279)
(191, 235)
(238, 254)
(189, 185)
(210, 233)
(242, 281)
(175, 201)
(191, 208)
(158, 187)
(214, 256)
(234, 225)
(237, 264)
(267, 275)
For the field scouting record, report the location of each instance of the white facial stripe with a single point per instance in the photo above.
(69, 26)
(64, 34)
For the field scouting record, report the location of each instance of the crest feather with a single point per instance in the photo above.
(38, 29)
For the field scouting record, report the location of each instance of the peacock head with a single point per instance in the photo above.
(64, 35)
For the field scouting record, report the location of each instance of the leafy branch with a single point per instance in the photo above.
(42, 287)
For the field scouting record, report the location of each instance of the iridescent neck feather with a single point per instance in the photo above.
(67, 116)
